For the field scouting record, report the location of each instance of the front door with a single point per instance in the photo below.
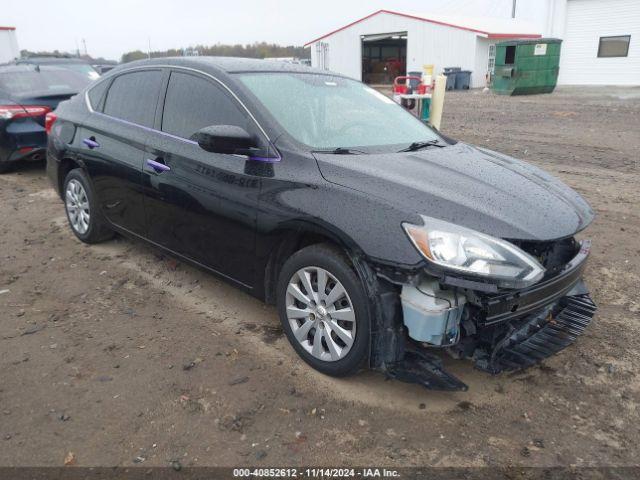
(199, 204)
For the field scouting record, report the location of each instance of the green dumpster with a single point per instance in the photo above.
(525, 67)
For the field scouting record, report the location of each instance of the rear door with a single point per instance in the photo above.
(113, 139)
(201, 205)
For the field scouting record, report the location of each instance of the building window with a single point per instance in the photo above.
(510, 55)
(322, 49)
(614, 46)
(491, 64)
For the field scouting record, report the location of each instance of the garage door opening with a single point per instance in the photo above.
(384, 57)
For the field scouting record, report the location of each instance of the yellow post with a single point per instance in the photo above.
(437, 101)
(427, 74)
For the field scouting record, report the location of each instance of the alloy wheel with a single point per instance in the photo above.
(320, 314)
(77, 204)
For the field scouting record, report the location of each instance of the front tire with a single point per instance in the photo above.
(82, 210)
(324, 310)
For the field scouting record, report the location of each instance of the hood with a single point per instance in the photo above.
(472, 187)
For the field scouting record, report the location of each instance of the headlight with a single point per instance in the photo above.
(473, 253)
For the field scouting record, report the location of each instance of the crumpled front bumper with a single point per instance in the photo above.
(515, 329)
(544, 334)
(511, 304)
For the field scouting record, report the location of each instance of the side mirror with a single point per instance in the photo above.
(225, 139)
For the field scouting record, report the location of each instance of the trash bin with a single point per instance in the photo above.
(451, 74)
(451, 80)
(463, 80)
(413, 82)
(525, 67)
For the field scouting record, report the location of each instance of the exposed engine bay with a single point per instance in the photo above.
(497, 329)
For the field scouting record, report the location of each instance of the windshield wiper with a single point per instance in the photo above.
(420, 145)
(341, 151)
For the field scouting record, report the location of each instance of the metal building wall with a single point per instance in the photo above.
(586, 22)
(8, 45)
(427, 43)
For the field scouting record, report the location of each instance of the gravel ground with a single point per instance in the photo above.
(116, 355)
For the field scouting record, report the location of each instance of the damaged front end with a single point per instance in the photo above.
(499, 329)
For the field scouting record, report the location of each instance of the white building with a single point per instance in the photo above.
(8, 44)
(600, 39)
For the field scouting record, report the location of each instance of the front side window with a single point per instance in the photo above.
(193, 103)
(614, 46)
(327, 112)
(133, 97)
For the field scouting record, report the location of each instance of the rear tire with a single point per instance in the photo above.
(328, 326)
(5, 167)
(83, 212)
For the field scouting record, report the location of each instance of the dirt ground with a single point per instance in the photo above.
(124, 357)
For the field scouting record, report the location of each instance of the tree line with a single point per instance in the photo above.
(254, 50)
(58, 53)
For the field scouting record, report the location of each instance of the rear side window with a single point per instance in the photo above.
(193, 103)
(133, 97)
(96, 94)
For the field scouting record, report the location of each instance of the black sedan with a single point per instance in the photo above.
(77, 65)
(380, 240)
(27, 94)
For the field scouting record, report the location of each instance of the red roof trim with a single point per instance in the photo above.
(7, 28)
(344, 28)
(514, 35)
(489, 34)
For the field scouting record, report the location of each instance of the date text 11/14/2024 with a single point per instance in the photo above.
(316, 472)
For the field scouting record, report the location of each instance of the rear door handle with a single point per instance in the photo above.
(157, 166)
(91, 143)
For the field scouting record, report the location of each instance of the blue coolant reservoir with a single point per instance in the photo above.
(432, 315)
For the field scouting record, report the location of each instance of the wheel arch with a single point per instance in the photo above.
(295, 236)
(66, 165)
(386, 337)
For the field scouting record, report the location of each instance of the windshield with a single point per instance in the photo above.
(329, 112)
(49, 80)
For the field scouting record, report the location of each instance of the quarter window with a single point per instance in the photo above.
(614, 46)
(133, 97)
(95, 95)
(193, 103)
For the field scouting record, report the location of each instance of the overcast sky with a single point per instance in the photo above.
(113, 27)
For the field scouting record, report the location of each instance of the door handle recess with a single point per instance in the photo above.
(91, 143)
(158, 167)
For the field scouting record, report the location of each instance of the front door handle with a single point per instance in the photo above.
(157, 166)
(91, 142)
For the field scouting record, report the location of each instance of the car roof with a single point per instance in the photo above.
(12, 67)
(27, 67)
(228, 65)
(50, 60)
